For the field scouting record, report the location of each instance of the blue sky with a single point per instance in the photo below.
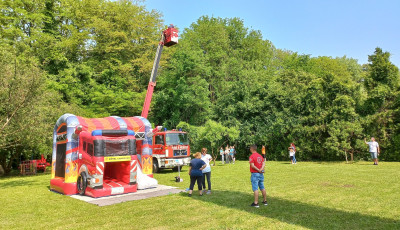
(320, 28)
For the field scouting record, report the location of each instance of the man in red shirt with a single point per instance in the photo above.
(257, 165)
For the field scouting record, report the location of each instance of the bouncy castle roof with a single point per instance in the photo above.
(137, 124)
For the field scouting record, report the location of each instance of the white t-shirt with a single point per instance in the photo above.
(206, 158)
(373, 146)
(291, 153)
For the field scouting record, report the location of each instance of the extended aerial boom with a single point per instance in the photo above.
(169, 37)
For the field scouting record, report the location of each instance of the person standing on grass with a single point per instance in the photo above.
(195, 172)
(293, 147)
(227, 154)
(206, 171)
(233, 154)
(291, 154)
(373, 149)
(263, 152)
(257, 165)
(221, 152)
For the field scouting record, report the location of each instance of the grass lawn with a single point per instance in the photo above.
(308, 195)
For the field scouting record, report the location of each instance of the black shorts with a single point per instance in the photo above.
(291, 157)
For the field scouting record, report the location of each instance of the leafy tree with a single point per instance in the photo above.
(27, 110)
(380, 108)
(212, 135)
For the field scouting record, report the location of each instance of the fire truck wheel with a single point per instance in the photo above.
(156, 168)
(82, 183)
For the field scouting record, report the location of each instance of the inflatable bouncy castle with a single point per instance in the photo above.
(100, 156)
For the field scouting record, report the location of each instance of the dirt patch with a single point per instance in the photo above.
(326, 184)
(349, 185)
(339, 185)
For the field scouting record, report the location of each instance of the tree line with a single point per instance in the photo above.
(226, 84)
(223, 82)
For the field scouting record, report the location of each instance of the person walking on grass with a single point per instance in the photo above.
(221, 152)
(374, 149)
(257, 165)
(206, 171)
(195, 173)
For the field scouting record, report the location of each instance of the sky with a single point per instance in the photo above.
(352, 28)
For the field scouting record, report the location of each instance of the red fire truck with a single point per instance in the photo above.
(170, 150)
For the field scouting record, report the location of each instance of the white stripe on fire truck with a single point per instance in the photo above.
(99, 170)
(134, 167)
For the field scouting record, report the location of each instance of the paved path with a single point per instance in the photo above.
(160, 190)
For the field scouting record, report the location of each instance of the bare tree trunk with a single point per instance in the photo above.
(345, 154)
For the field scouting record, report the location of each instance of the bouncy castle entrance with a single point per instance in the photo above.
(61, 142)
(116, 176)
(60, 160)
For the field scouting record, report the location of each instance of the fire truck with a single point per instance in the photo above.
(170, 150)
(104, 156)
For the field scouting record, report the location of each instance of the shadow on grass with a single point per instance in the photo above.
(17, 183)
(298, 213)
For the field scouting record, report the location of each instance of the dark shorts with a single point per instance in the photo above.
(291, 157)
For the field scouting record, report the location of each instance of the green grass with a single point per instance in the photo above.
(303, 196)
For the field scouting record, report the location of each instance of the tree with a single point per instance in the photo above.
(211, 135)
(379, 111)
(27, 110)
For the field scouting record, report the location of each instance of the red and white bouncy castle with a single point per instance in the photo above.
(100, 156)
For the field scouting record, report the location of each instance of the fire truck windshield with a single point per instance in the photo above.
(176, 139)
(116, 148)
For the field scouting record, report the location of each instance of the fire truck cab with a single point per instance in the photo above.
(171, 150)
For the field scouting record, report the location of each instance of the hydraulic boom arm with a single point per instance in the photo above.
(169, 37)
